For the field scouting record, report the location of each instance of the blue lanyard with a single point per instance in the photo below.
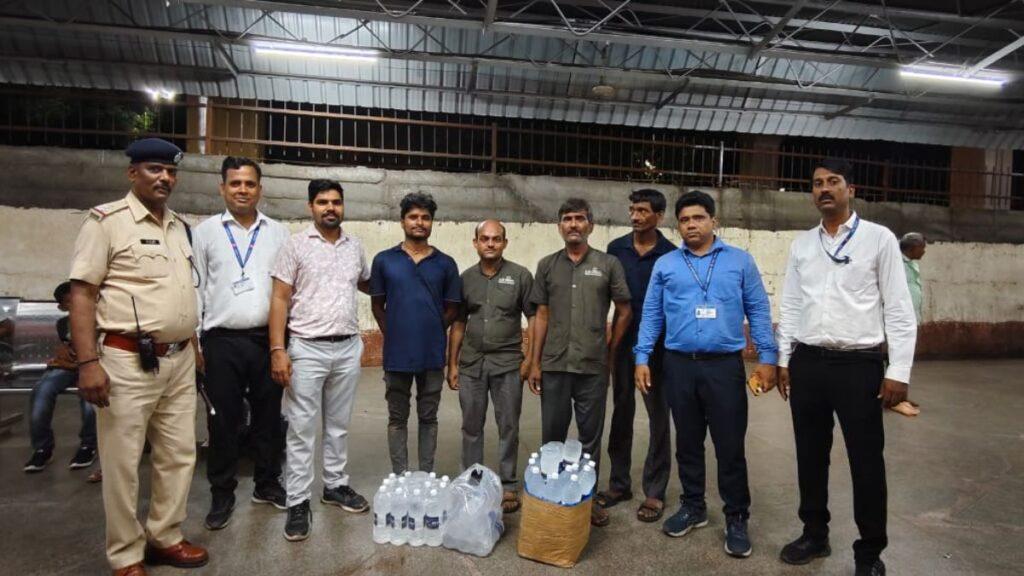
(238, 256)
(705, 286)
(835, 255)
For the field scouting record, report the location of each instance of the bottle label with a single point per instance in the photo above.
(431, 522)
(405, 522)
(410, 522)
(390, 520)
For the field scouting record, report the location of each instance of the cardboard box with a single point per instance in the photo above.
(552, 533)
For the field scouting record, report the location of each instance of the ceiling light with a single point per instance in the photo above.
(954, 75)
(315, 51)
(158, 94)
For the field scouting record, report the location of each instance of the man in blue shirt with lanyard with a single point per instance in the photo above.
(415, 290)
(698, 297)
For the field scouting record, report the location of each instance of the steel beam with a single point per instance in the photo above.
(779, 25)
(995, 56)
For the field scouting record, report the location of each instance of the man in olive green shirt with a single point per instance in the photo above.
(486, 352)
(573, 290)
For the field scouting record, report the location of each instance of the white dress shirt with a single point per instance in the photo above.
(219, 306)
(848, 306)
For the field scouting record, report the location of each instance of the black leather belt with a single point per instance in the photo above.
(873, 352)
(339, 338)
(705, 355)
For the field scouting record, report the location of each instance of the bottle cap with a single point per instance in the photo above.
(433, 492)
(554, 476)
(445, 478)
(432, 475)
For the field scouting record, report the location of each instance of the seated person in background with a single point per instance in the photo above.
(61, 373)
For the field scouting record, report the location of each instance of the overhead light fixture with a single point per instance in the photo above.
(158, 94)
(316, 51)
(954, 75)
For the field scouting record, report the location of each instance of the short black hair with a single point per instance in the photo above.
(418, 200)
(62, 290)
(696, 198)
(235, 163)
(323, 185)
(476, 229)
(653, 197)
(575, 205)
(840, 166)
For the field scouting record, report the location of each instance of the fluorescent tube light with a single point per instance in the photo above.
(953, 75)
(314, 51)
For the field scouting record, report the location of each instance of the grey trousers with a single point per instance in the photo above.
(324, 379)
(562, 393)
(428, 398)
(506, 392)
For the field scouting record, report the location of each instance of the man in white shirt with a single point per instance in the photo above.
(234, 253)
(845, 294)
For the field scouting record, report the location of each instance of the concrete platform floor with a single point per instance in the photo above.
(956, 498)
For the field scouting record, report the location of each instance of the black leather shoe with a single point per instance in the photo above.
(220, 511)
(803, 550)
(877, 568)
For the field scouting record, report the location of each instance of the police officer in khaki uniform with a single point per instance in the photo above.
(133, 316)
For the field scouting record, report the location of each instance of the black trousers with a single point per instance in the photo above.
(709, 394)
(847, 384)
(658, 463)
(237, 369)
(562, 393)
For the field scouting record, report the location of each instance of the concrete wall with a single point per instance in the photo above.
(974, 301)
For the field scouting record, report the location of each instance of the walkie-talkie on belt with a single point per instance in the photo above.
(147, 346)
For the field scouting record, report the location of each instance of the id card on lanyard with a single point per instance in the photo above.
(244, 283)
(704, 311)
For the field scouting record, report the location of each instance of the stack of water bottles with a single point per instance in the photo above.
(411, 509)
(561, 474)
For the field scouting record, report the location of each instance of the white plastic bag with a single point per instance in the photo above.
(474, 512)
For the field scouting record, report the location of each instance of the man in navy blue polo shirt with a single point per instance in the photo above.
(415, 290)
(638, 251)
(698, 297)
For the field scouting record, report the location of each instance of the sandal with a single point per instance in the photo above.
(510, 501)
(609, 498)
(906, 409)
(651, 510)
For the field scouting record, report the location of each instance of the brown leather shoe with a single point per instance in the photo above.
(133, 570)
(181, 555)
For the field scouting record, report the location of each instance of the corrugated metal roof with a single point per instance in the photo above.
(442, 78)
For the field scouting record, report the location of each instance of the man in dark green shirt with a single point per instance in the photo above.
(487, 352)
(573, 290)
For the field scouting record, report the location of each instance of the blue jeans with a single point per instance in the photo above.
(41, 405)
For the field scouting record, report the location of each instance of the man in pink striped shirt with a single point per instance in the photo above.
(316, 277)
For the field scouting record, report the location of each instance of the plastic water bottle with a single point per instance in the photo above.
(446, 500)
(552, 487)
(550, 457)
(587, 479)
(534, 482)
(432, 518)
(416, 518)
(571, 451)
(398, 517)
(573, 491)
(381, 512)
